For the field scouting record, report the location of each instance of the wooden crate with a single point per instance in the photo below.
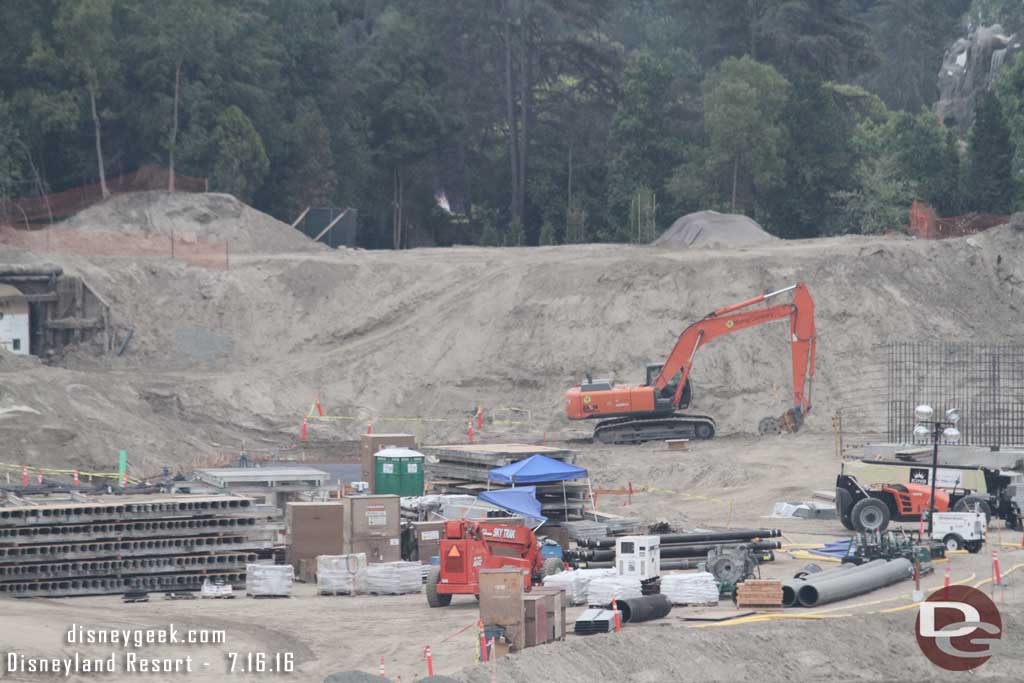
(678, 444)
(760, 593)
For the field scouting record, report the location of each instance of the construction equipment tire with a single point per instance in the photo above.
(435, 599)
(553, 565)
(870, 514)
(844, 503)
(953, 542)
(703, 431)
(769, 425)
(967, 503)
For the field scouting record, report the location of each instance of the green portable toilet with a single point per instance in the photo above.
(398, 471)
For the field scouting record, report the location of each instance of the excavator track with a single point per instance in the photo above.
(639, 430)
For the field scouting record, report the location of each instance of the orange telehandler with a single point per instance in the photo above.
(632, 414)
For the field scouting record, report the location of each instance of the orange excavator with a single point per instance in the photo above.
(633, 414)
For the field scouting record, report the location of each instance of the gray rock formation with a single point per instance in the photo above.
(969, 68)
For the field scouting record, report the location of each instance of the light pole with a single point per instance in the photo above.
(927, 425)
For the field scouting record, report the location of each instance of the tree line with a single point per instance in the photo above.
(514, 122)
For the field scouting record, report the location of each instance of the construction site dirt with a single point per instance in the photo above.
(212, 363)
(327, 634)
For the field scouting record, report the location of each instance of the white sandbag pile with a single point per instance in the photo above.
(265, 580)
(602, 589)
(344, 574)
(575, 582)
(690, 589)
(394, 578)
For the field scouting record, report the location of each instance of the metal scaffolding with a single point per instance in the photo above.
(986, 382)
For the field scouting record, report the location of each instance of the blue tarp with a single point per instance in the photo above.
(522, 501)
(536, 468)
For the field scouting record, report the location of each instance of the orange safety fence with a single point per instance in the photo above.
(180, 246)
(926, 224)
(58, 205)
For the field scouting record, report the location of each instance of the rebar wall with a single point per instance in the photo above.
(986, 382)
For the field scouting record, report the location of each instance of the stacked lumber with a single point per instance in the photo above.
(759, 593)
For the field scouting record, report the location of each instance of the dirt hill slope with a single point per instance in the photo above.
(219, 356)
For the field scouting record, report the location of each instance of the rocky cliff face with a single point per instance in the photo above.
(969, 69)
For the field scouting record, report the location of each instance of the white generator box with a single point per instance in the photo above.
(638, 556)
(960, 530)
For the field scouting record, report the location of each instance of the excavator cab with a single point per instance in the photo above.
(666, 394)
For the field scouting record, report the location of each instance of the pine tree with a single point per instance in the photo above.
(991, 160)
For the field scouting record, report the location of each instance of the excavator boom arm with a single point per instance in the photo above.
(732, 319)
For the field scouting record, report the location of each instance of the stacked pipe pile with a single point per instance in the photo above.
(120, 544)
(681, 551)
(844, 581)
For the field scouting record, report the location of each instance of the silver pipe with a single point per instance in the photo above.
(850, 584)
(790, 588)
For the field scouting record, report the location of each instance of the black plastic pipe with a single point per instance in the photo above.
(738, 535)
(646, 608)
(702, 550)
(715, 536)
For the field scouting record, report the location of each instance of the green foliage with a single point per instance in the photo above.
(1008, 13)
(644, 142)
(911, 37)
(743, 106)
(382, 104)
(240, 161)
(990, 155)
(11, 156)
(880, 201)
(1010, 92)
(548, 235)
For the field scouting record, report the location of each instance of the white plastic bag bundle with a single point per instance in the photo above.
(602, 589)
(575, 582)
(341, 574)
(269, 579)
(394, 578)
(690, 589)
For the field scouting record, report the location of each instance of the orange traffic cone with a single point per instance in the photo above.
(480, 418)
(369, 427)
(319, 408)
(24, 475)
(305, 429)
(470, 430)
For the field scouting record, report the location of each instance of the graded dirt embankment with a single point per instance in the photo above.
(218, 356)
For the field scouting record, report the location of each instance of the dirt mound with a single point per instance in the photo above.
(206, 217)
(713, 229)
(786, 650)
(222, 356)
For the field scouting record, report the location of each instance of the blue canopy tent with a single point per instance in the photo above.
(522, 501)
(541, 469)
(536, 468)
